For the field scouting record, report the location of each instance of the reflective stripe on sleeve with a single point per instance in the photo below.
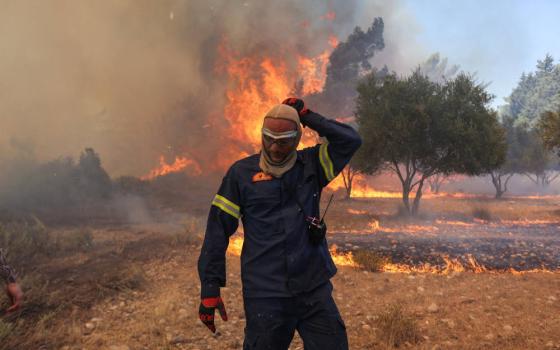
(326, 162)
(227, 206)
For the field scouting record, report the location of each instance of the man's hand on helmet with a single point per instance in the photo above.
(298, 105)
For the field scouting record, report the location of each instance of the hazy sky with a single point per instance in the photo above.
(498, 39)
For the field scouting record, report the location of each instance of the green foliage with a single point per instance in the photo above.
(533, 99)
(536, 93)
(526, 155)
(549, 130)
(417, 128)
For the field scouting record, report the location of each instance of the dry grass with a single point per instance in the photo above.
(80, 239)
(370, 261)
(397, 327)
(5, 330)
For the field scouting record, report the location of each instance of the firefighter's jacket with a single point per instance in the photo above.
(277, 259)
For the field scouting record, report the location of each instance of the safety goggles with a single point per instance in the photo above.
(282, 139)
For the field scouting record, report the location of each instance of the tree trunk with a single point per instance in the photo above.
(416, 204)
(500, 184)
(435, 182)
(348, 178)
(499, 193)
(349, 190)
(497, 185)
(406, 200)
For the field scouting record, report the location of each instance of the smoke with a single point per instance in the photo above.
(134, 79)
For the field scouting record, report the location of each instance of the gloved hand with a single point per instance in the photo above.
(206, 311)
(298, 105)
(16, 296)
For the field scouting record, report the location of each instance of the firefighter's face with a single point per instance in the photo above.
(279, 149)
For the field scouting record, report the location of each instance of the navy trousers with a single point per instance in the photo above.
(272, 322)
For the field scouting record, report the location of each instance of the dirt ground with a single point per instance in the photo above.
(138, 288)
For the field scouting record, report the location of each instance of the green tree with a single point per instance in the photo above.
(549, 130)
(536, 93)
(512, 164)
(417, 128)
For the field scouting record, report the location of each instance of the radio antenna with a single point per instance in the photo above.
(327, 208)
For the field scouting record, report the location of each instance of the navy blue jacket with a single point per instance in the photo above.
(277, 259)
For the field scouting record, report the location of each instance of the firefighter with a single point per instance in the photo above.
(286, 266)
(13, 290)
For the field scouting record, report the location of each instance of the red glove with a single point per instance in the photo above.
(206, 311)
(298, 105)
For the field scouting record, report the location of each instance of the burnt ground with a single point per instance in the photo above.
(497, 246)
(519, 233)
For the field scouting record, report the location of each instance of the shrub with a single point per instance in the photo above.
(24, 240)
(396, 326)
(370, 261)
(482, 214)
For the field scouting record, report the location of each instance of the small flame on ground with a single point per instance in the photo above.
(179, 164)
(342, 259)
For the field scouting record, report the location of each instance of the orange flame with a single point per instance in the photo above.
(342, 259)
(256, 83)
(313, 72)
(333, 41)
(451, 265)
(179, 164)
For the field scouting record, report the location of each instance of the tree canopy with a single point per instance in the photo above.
(536, 93)
(416, 128)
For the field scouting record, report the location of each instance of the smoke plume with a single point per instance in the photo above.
(138, 79)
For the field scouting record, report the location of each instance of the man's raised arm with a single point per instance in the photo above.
(342, 140)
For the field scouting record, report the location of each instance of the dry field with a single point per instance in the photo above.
(136, 287)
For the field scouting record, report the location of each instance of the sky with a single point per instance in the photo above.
(498, 39)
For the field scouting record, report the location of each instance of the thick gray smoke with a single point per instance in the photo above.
(136, 79)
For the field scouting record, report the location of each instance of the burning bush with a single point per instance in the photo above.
(370, 261)
(397, 326)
